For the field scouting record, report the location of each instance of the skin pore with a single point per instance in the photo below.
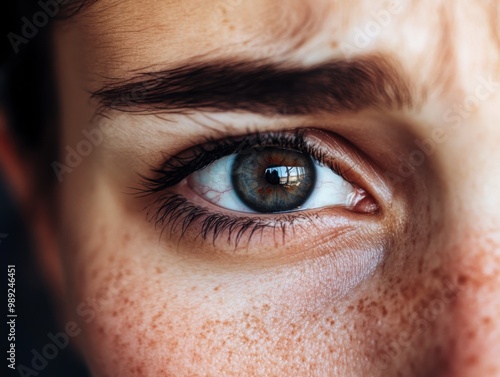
(411, 289)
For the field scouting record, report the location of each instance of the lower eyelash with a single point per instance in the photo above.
(178, 214)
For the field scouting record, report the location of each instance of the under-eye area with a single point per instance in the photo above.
(240, 187)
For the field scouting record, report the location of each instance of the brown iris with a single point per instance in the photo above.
(270, 180)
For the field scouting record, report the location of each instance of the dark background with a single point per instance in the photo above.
(33, 303)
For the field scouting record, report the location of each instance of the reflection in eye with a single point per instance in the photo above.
(271, 180)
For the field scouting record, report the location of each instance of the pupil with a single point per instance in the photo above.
(272, 179)
(285, 175)
(272, 176)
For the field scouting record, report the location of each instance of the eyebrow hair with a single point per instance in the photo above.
(262, 87)
(72, 8)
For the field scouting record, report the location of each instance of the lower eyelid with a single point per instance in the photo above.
(252, 232)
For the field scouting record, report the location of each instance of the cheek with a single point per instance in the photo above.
(475, 341)
(149, 310)
(145, 316)
(405, 326)
(437, 311)
(400, 323)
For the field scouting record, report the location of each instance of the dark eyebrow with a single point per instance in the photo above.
(72, 8)
(262, 87)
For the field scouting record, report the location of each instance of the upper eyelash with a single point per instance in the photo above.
(177, 168)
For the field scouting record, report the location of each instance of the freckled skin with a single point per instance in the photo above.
(425, 303)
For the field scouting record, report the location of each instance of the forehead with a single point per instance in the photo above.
(444, 42)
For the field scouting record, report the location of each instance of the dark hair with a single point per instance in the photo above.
(28, 96)
(29, 89)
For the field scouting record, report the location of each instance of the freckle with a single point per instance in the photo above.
(471, 334)
(158, 270)
(408, 292)
(126, 238)
(350, 308)
(420, 265)
(360, 306)
(471, 360)
(217, 288)
(384, 310)
(193, 288)
(462, 280)
(435, 272)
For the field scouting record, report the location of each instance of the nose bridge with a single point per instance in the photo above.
(472, 202)
(471, 158)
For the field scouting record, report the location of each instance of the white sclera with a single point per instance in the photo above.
(213, 183)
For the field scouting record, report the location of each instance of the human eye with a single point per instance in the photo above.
(239, 186)
(272, 180)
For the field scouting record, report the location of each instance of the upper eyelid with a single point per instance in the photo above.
(178, 167)
(344, 158)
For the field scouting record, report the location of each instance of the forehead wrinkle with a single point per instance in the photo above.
(442, 78)
(440, 68)
(302, 22)
(495, 20)
(493, 12)
(276, 30)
